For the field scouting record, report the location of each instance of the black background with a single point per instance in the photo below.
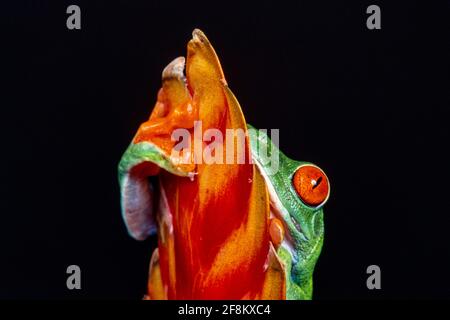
(368, 106)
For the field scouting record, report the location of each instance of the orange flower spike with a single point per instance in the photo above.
(210, 227)
(213, 228)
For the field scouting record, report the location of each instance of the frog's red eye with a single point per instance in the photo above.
(311, 185)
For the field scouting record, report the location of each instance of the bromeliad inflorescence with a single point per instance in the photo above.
(226, 229)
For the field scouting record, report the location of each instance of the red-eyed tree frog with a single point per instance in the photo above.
(226, 230)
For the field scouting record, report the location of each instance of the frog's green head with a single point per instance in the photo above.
(298, 190)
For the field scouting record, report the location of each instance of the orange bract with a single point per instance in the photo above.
(214, 243)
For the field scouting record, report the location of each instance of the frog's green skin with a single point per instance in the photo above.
(136, 193)
(303, 224)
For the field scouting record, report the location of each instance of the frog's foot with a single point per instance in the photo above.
(276, 231)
